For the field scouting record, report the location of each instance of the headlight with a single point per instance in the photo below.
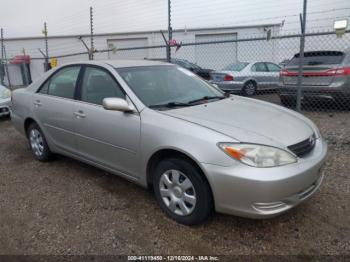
(5, 94)
(258, 155)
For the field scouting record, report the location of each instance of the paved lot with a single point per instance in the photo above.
(66, 207)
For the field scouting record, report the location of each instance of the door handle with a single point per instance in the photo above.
(79, 114)
(37, 103)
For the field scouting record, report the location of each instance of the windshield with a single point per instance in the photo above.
(319, 58)
(236, 67)
(159, 85)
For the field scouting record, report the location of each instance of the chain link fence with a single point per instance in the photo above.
(260, 67)
(255, 66)
(267, 69)
(250, 65)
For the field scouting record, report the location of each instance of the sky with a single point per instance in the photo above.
(21, 18)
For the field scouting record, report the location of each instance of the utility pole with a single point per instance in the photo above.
(301, 56)
(92, 49)
(46, 48)
(170, 32)
(2, 64)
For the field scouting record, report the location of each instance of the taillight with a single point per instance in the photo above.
(285, 72)
(228, 78)
(344, 71)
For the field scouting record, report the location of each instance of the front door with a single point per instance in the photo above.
(108, 138)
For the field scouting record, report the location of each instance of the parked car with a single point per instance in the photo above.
(326, 75)
(284, 62)
(247, 78)
(161, 126)
(5, 101)
(202, 72)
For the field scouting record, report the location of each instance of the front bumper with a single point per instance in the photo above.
(5, 107)
(266, 192)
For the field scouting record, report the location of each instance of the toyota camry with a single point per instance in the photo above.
(161, 126)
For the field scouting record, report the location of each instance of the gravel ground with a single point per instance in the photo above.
(67, 207)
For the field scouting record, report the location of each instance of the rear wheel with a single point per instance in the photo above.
(249, 88)
(38, 144)
(182, 192)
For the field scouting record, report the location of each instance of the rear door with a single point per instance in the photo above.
(317, 68)
(273, 74)
(53, 107)
(260, 74)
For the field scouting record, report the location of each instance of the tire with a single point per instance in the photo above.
(188, 199)
(249, 88)
(38, 144)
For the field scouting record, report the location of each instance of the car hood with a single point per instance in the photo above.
(248, 120)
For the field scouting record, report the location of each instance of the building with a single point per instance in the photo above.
(68, 48)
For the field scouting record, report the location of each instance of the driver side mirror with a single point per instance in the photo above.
(117, 104)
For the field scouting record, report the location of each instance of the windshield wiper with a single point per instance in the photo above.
(170, 105)
(204, 98)
(190, 103)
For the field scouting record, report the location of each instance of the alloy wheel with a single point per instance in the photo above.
(250, 88)
(36, 142)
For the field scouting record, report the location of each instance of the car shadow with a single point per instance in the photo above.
(140, 200)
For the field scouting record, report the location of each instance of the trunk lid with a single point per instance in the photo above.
(219, 76)
(317, 68)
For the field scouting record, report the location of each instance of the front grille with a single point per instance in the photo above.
(304, 147)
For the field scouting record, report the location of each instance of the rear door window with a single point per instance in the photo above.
(63, 83)
(318, 58)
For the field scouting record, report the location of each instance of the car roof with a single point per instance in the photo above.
(133, 63)
(119, 63)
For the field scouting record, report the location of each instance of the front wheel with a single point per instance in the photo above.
(182, 192)
(38, 144)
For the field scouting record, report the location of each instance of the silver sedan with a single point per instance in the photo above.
(163, 127)
(247, 78)
(5, 101)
